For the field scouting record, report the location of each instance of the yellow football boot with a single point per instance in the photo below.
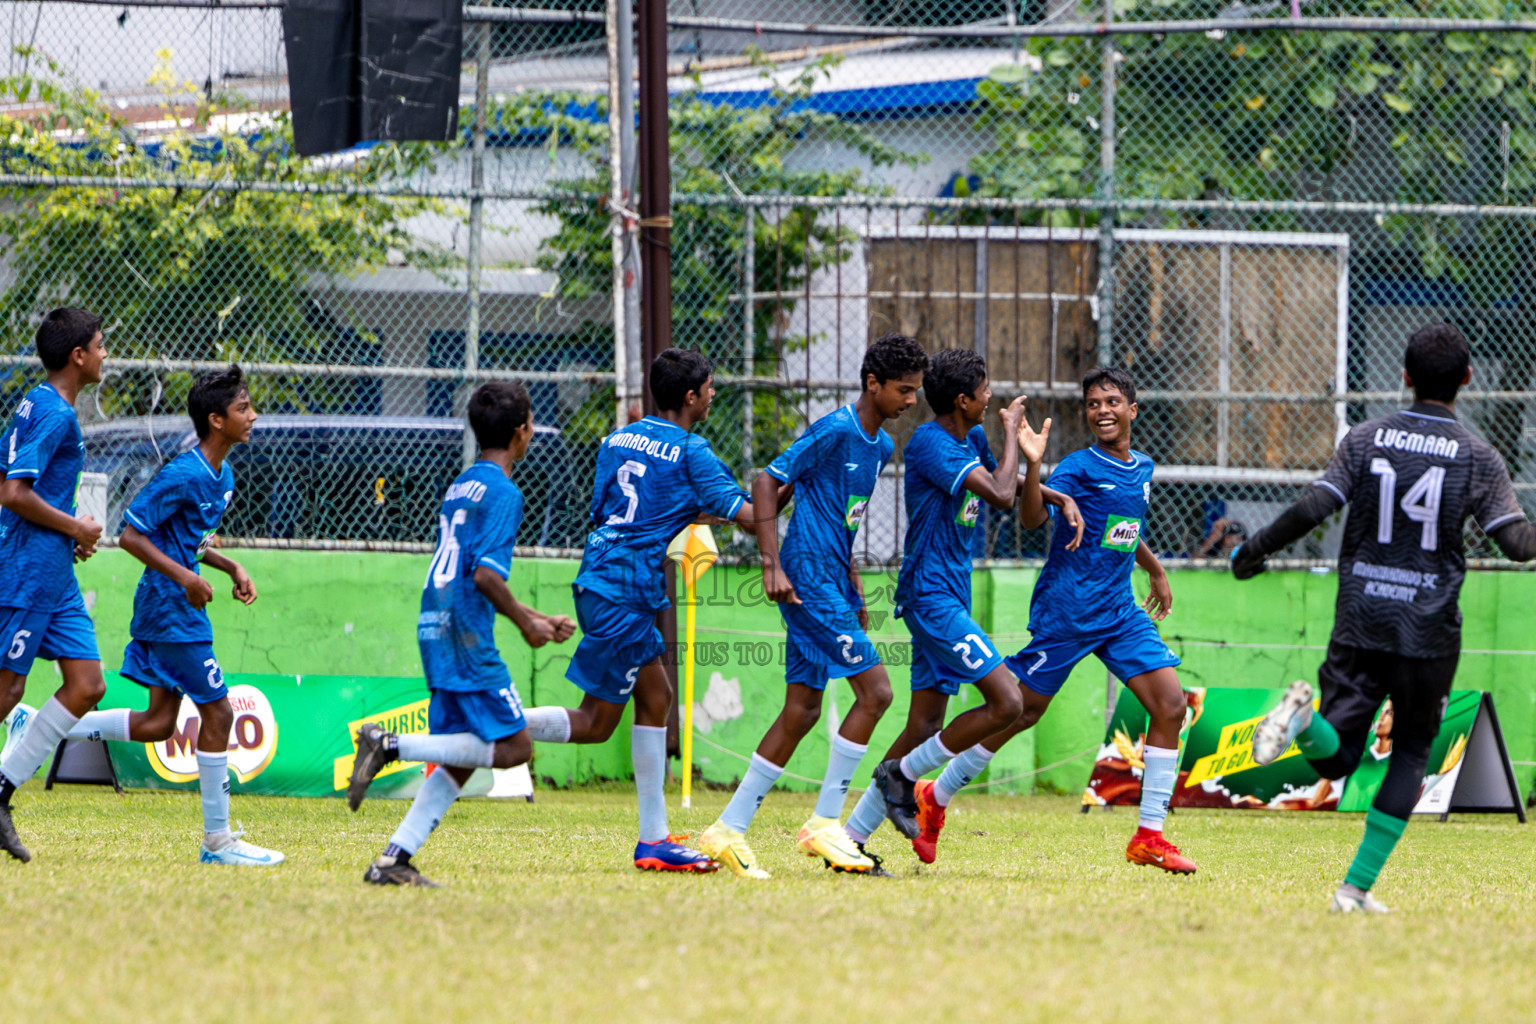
(825, 838)
(730, 848)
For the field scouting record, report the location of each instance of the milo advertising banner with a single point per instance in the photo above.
(292, 736)
(1469, 769)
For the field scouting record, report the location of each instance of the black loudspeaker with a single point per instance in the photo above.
(363, 70)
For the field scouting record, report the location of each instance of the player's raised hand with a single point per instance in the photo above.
(245, 588)
(777, 586)
(1013, 415)
(1031, 444)
(1160, 601)
(199, 591)
(1246, 563)
(1071, 515)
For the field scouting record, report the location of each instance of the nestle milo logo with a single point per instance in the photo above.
(970, 510)
(854, 515)
(252, 738)
(1121, 533)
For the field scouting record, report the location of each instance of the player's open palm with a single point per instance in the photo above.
(1160, 601)
(1013, 416)
(1031, 444)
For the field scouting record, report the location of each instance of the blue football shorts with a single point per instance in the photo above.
(490, 714)
(824, 639)
(615, 643)
(187, 669)
(1131, 649)
(948, 648)
(28, 634)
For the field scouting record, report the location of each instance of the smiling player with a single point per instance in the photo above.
(833, 468)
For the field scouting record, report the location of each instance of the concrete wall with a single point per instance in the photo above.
(338, 613)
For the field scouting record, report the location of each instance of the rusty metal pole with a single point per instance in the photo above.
(656, 264)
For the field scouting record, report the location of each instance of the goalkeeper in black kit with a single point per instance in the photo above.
(1411, 480)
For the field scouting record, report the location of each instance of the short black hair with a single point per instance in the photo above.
(62, 331)
(952, 373)
(212, 394)
(892, 356)
(496, 409)
(1110, 376)
(1437, 360)
(676, 372)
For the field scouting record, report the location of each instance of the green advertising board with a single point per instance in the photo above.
(1469, 767)
(292, 735)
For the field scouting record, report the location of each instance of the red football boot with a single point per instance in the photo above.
(1149, 847)
(930, 822)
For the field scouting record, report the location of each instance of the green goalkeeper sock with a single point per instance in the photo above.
(1319, 739)
(1382, 831)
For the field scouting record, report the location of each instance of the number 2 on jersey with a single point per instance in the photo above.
(1421, 504)
(629, 470)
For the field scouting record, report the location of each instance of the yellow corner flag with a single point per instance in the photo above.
(694, 550)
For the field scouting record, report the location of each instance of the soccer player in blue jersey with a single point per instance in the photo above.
(476, 716)
(1083, 604)
(950, 471)
(168, 527)
(833, 468)
(653, 478)
(42, 613)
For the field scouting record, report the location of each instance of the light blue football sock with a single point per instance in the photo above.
(47, 727)
(930, 755)
(841, 764)
(459, 749)
(1157, 778)
(436, 795)
(960, 772)
(648, 749)
(213, 786)
(867, 815)
(98, 726)
(761, 775)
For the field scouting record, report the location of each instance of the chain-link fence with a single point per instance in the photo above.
(1248, 206)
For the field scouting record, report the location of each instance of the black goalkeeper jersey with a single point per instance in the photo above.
(1411, 480)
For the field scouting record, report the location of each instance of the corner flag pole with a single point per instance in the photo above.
(694, 550)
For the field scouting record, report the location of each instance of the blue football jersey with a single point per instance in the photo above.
(456, 630)
(1088, 591)
(834, 466)
(653, 479)
(42, 444)
(178, 511)
(941, 514)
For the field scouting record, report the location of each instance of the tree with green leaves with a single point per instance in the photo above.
(718, 149)
(1278, 115)
(182, 271)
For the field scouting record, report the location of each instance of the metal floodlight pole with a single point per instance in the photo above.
(617, 216)
(629, 176)
(476, 225)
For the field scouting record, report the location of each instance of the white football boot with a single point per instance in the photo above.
(1277, 730)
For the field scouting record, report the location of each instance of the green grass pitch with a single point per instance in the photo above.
(1031, 914)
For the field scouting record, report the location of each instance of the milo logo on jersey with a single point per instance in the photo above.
(853, 515)
(970, 510)
(1121, 534)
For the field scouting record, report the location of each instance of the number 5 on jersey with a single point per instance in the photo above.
(628, 473)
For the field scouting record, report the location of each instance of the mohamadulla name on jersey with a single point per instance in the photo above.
(1426, 444)
(648, 445)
